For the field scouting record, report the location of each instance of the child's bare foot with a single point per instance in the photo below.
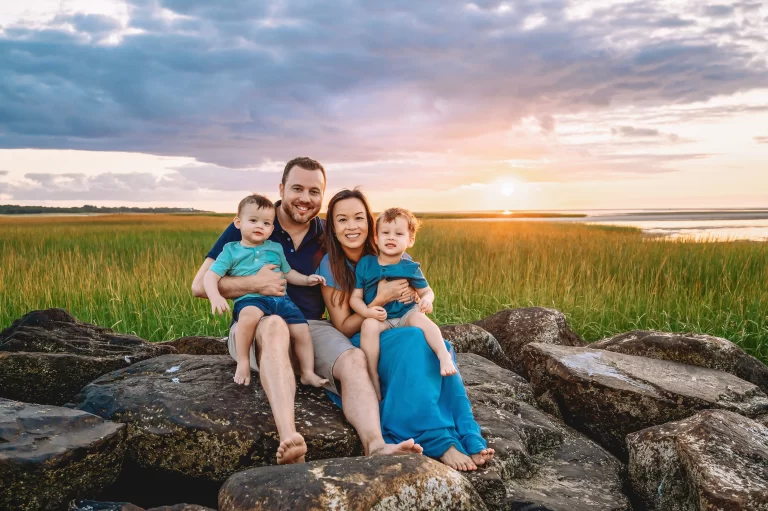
(455, 459)
(313, 379)
(446, 365)
(243, 373)
(482, 457)
(291, 450)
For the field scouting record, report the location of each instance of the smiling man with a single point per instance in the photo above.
(299, 230)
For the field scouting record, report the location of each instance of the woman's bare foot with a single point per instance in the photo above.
(455, 459)
(291, 450)
(406, 447)
(446, 365)
(313, 379)
(482, 457)
(243, 373)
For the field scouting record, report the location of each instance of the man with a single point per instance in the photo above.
(300, 231)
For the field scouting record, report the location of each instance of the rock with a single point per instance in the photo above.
(715, 459)
(609, 395)
(490, 384)
(92, 505)
(515, 328)
(469, 338)
(540, 463)
(47, 356)
(199, 345)
(50, 455)
(376, 483)
(187, 417)
(693, 349)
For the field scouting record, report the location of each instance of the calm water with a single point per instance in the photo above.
(700, 225)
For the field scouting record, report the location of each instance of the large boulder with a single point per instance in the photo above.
(516, 328)
(50, 455)
(186, 416)
(713, 460)
(198, 345)
(93, 505)
(540, 463)
(609, 395)
(693, 349)
(467, 338)
(376, 482)
(47, 356)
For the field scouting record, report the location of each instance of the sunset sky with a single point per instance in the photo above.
(431, 105)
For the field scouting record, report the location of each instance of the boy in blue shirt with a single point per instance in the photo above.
(396, 232)
(256, 219)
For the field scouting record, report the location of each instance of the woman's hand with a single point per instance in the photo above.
(394, 290)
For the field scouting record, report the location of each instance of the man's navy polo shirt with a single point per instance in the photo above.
(304, 260)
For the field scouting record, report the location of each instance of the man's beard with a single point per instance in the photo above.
(297, 216)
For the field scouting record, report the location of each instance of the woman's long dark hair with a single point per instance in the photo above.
(343, 273)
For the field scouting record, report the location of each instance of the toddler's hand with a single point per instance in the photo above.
(219, 304)
(425, 306)
(313, 280)
(377, 313)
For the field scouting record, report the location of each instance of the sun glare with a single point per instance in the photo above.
(507, 188)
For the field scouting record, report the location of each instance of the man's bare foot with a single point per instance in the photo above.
(291, 450)
(446, 365)
(243, 373)
(482, 457)
(455, 459)
(313, 379)
(406, 447)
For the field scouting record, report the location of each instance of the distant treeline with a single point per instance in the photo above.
(36, 210)
(494, 214)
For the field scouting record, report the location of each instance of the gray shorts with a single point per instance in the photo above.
(398, 322)
(328, 344)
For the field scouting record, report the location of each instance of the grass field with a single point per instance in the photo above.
(133, 273)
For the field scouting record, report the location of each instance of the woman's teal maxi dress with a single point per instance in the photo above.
(418, 402)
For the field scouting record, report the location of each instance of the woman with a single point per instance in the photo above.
(417, 402)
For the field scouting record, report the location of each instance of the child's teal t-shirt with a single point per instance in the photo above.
(237, 260)
(369, 272)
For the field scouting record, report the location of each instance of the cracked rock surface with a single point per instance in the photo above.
(715, 459)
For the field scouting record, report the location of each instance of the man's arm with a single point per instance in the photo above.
(266, 282)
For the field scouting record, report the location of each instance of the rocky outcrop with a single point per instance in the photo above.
(516, 328)
(198, 345)
(609, 395)
(713, 460)
(47, 356)
(186, 416)
(693, 349)
(540, 463)
(467, 338)
(93, 505)
(50, 455)
(407, 483)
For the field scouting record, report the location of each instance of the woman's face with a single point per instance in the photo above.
(350, 223)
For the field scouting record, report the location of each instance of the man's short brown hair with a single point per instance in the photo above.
(305, 163)
(260, 201)
(390, 214)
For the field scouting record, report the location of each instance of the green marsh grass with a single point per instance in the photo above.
(133, 273)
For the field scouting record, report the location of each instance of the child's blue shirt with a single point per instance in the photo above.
(237, 260)
(369, 272)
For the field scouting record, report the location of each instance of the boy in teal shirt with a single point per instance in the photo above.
(255, 219)
(395, 233)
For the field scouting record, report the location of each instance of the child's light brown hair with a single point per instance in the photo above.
(260, 201)
(390, 214)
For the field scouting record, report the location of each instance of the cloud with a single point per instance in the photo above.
(645, 133)
(761, 140)
(3, 172)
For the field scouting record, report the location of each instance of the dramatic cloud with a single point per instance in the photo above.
(761, 140)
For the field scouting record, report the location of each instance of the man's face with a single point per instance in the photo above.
(302, 194)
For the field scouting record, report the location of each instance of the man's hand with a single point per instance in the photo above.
(425, 306)
(219, 305)
(269, 282)
(313, 280)
(376, 313)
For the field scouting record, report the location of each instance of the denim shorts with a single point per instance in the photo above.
(271, 306)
